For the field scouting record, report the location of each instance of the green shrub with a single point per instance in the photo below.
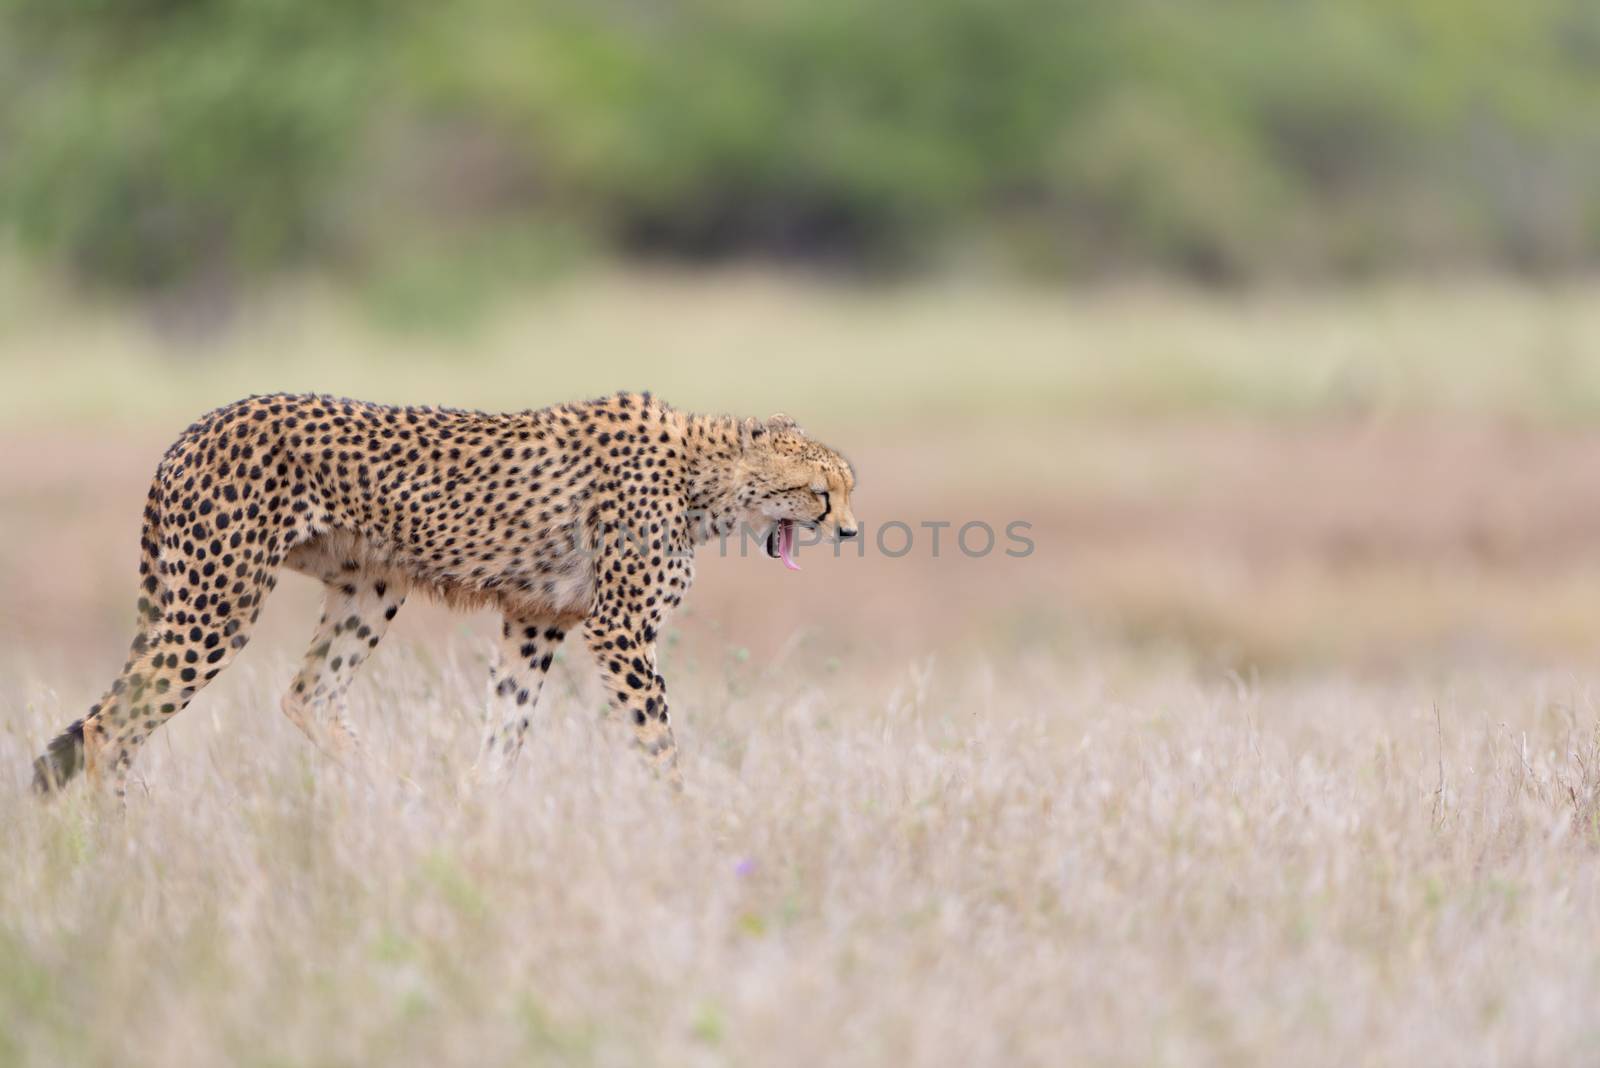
(155, 142)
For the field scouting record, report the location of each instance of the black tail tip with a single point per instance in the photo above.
(62, 759)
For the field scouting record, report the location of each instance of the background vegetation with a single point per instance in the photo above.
(153, 143)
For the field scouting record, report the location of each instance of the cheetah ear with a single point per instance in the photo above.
(779, 421)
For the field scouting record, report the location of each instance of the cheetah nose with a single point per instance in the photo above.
(847, 532)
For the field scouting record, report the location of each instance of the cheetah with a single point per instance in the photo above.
(584, 513)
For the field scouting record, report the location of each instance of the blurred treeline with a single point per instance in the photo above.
(152, 143)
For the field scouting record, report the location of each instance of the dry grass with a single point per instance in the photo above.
(1087, 859)
(842, 356)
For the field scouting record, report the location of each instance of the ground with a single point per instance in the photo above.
(1280, 747)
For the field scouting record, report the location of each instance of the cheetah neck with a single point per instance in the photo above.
(715, 469)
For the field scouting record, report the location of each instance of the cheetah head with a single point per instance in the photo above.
(788, 481)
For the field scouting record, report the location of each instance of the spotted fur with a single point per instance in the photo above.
(583, 514)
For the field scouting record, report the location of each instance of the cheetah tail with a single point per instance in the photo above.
(62, 759)
(150, 584)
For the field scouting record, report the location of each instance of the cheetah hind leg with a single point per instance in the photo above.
(358, 606)
(522, 660)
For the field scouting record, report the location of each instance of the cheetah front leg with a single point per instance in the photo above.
(627, 662)
(522, 660)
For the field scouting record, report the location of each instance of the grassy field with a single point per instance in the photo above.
(841, 355)
(1282, 746)
(1084, 860)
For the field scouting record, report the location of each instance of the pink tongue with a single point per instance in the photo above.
(786, 545)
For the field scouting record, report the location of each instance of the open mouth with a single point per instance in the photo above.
(780, 543)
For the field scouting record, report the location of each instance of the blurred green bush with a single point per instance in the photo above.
(151, 143)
